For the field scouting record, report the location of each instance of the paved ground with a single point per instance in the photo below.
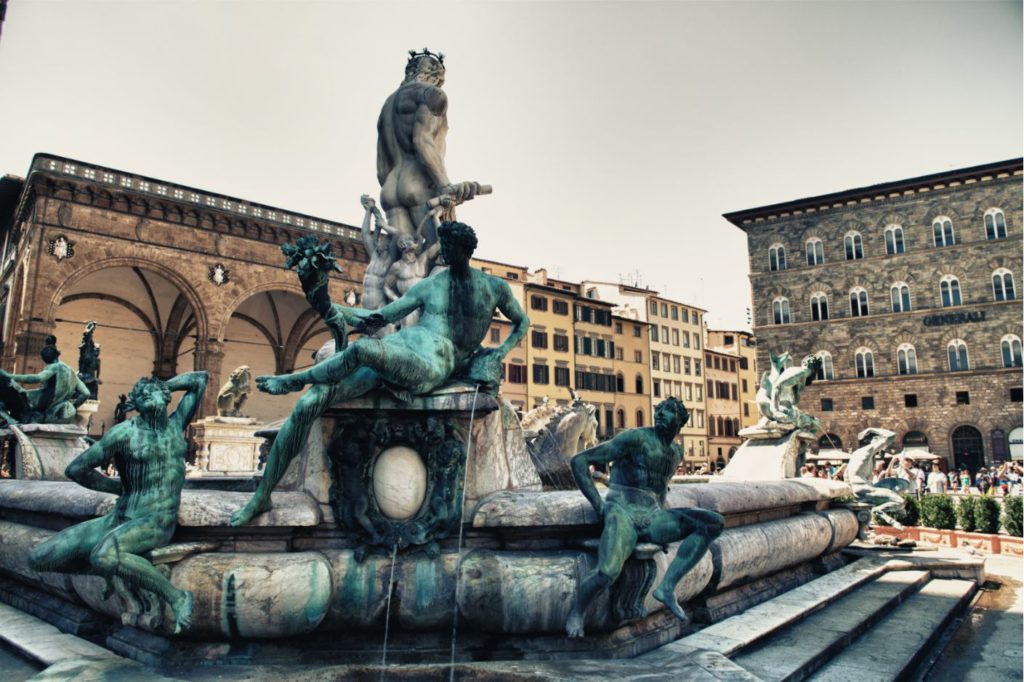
(990, 644)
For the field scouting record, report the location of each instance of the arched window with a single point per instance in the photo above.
(858, 302)
(819, 306)
(735, 429)
(942, 231)
(830, 441)
(995, 224)
(949, 290)
(777, 257)
(815, 252)
(915, 439)
(711, 427)
(728, 428)
(620, 383)
(906, 359)
(900, 294)
(865, 362)
(1002, 285)
(854, 246)
(825, 371)
(780, 310)
(639, 418)
(1011, 351)
(620, 418)
(956, 351)
(894, 240)
(638, 383)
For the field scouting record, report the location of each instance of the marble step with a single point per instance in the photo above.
(743, 630)
(42, 642)
(796, 651)
(897, 644)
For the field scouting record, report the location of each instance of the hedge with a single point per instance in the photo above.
(937, 511)
(966, 513)
(986, 515)
(1013, 511)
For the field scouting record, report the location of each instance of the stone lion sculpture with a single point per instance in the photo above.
(234, 393)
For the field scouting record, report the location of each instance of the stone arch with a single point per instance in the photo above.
(1000, 261)
(129, 299)
(937, 210)
(824, 287)
(183, 286)
(892, 218)
(267, 328)
(284, 285)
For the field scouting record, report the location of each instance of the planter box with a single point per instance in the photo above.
(982, 542)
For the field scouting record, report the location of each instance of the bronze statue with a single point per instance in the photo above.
(455, 306)
(642, 461)
(89, 360)
(149, 452)
(55, 402)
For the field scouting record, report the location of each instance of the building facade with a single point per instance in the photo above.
(177, 279)
(676, 335)
(908, 291)
(632, 373)
(743, 346)
(515, 368)
(723, 405)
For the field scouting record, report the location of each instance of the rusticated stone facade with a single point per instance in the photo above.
(966, 415)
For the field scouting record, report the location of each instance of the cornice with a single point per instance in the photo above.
(881, 194)
(93, 185)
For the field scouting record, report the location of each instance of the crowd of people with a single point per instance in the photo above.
(1002, 480)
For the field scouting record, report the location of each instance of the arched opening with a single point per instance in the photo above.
(1000, 450)
(968, 448)
(915, 439)
(830, 441)
(145, 326)
(272, 332)
(620, 419)
(639, 384)
(639, 418)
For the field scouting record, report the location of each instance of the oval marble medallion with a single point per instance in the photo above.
(399, 482)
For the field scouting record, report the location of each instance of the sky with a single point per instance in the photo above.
(614, 134)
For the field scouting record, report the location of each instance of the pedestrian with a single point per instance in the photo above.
(937, 482)
(983, 481)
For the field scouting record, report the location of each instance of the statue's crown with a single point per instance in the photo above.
(437, 56)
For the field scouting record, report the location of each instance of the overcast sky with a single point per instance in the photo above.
(615, 134)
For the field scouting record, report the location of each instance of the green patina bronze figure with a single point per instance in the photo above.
(642, 461)
(149, 452)
(455, 306)
(56, 401)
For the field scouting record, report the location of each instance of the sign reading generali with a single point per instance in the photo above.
(954, 318)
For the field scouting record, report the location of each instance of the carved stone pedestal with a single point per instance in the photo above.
(768, 456)
(227, 446)
(43, 451)
(403, 472)
(86, 413)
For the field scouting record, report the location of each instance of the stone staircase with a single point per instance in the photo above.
(874, 619)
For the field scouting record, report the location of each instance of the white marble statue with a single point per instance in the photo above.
(378, 249)
(859, 471)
